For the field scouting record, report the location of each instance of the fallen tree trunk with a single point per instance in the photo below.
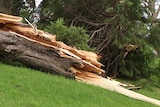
(16, 48)
(41, 56)
(40, 50)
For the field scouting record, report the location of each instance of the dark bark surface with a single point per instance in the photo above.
(16, 48)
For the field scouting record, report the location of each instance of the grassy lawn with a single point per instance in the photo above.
(154, 93)
(22, 87)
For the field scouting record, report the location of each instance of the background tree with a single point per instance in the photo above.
(17, 7)
(6, 6)
(120, 30)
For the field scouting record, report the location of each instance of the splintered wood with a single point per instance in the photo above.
(40, 50)
(4, 18)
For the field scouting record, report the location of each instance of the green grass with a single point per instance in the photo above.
(22, 87)
(154, 92)
(148, 90)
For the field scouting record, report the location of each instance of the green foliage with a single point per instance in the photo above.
(155, 80)
(51, 10)
(128, 28)
(139, 63)
(134, 10)
(150, 83)
(73, 36)
(133, 30)
(25, 13)
(155, 72)
(154, 38)
(144, 83)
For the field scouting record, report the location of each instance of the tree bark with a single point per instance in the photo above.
(16, 48)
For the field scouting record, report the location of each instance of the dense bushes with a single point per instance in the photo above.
(72, 36)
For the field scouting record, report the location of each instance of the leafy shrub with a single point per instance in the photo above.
(154, 80)
(73, 36)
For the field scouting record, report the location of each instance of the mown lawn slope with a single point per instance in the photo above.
(22, 87)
